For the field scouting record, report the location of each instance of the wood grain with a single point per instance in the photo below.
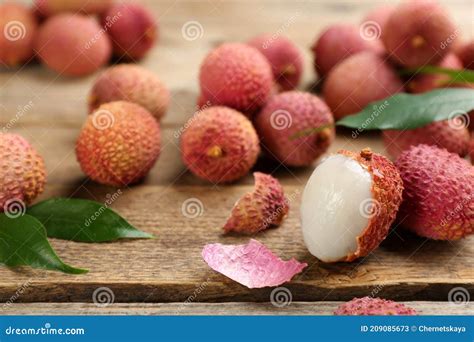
(245, 308)
(169, 268)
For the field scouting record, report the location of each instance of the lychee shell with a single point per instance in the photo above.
(264, 207)
(387, 188)
(369, 306)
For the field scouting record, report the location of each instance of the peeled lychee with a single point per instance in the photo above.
(288, 114)
(369, 306)
(266, 206)
(72, 45)
(418, 33)
(133, 83)
(337, 43)
(118, 144)
(238, 76)
(132, 29)
(219, 145)
(358, 81)
(450, 134)
(438, 201)
(284, 57)
(52, 7)
(466, 54)
(18, 29)
(426, 82)
(22, 173)
(348, 205)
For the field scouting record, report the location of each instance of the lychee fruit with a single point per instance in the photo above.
(288, 114)
(237, 76)
(358, 81)
(132, 28)
(449, 134)
(22, 173)
(349, 204)
(118, 144)
(466, 54)
(73, 45)
(438, 201)
(264, 207)
(378, 17)
(426, 82)
(284, 57)
(219, 145)
(47, 8)
(133, 83)
(18, 28)
(337, 43)
(418, 33)
(369, 306)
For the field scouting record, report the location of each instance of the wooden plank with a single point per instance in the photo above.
(170, 268)
(49, 111)
(246, 308)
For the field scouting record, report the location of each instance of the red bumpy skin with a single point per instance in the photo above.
(287, 114)
(72, 45)
(47, 8)
(238, 76)
(357, 81)
(445, 134)
(418, 33)
(337, 43)
(219, 145)
(132, 83)
(22, 172)
(438, 201)
(387, 188)
(284, 57)
(266, 206)
(118, 144)
(18, 29)
(369, 306)
(132, 29)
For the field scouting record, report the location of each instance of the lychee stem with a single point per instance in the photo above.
(418, 41)
(215, 152)
(366, 153)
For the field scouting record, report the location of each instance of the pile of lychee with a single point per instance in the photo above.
(75, 37)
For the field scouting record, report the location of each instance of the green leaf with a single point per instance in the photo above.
(83, 220)
(23, 242)
(406, 111)
(457, 76)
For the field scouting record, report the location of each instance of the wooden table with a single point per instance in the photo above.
(157, 276)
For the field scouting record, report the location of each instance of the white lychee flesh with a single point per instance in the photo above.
(332, 213)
